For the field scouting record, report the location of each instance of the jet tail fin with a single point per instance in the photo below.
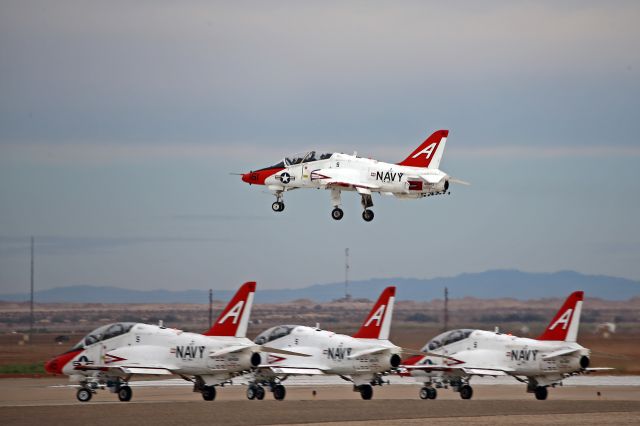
(234, 319)
(378, 322)
(564, 325)
(429, 154)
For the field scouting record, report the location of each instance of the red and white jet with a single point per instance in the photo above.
(416, 176)
(363, 359)
(539, 363)
(110, 355)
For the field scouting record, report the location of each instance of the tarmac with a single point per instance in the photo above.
(52, 401)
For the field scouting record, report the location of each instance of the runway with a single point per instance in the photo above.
(36, 401)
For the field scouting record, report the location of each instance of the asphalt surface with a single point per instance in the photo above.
(47, 401)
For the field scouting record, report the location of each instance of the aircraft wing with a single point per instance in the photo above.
(238, 348)
(122, 370)
(559, 353)
(337, 177)
(296, 371)
(453, 369)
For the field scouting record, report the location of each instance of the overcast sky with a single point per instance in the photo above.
(120, 123)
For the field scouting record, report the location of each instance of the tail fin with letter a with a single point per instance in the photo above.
(564, 325)
(429, 154)
(234, 319)
(378, 322)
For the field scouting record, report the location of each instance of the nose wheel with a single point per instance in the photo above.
(278, 206)
(337, 213)
(84, 394)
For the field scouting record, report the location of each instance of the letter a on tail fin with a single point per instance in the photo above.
(233, 321)
(564, 326)
(378, 322)
(429, 153)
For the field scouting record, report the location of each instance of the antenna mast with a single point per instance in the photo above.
(446, 309)
(210, 307)
(347, 296)
(31, 303)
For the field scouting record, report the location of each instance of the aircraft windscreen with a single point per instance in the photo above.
(274, 333)
(306, 157)
(104, 332)
(447, 338)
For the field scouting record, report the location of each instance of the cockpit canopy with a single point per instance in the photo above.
(446, 338)
(305, 157)
(274, 333)
(105, 332)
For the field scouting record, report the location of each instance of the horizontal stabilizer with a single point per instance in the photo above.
(369, 351)
(228, 350)
(459, 181)
(432, 179)
(561, 352)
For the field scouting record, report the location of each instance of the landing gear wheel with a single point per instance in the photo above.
(424, 393)
(337, 213)
(251, 392)
(209, 393)
(367, 215)
(124, 393)
(466, 392)
(84, 395)
(366, 392)
(279, 392)
(278, 206)
(541, 393)
(260, 393)
(433, 393)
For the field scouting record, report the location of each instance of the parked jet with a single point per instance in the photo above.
(110, 355)
(539, 363)
(416, 176)
(363, 359)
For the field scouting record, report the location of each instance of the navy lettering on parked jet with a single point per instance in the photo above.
(388, 176)
(523, 354)
(337, 353)
(185, 352)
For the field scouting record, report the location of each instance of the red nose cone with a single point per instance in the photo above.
(55, 365)
(258, 177)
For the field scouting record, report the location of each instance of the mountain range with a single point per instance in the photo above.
(492, 284)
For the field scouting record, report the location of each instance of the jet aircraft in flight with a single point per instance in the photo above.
(416, 176)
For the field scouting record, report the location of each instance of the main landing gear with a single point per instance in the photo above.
(208, 391)
(366, 391)
(257, 391)
(428, 392)
(338, 214)
(117, 386)
(541, 392)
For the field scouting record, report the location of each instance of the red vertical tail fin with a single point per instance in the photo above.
(429, 153)
(564, 325)
(378, 322)
(234, 319)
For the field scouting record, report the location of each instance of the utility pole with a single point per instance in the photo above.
(210, 307)
(446, 309)
(347, 296)
(31, 304)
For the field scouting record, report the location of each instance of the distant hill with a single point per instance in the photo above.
(486, 285)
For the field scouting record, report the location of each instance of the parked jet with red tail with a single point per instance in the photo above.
(363, 359)
(539, 363)
(110, 355)
(416, 176)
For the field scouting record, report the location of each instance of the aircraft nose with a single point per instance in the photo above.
(53, 366)
(247, 177)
